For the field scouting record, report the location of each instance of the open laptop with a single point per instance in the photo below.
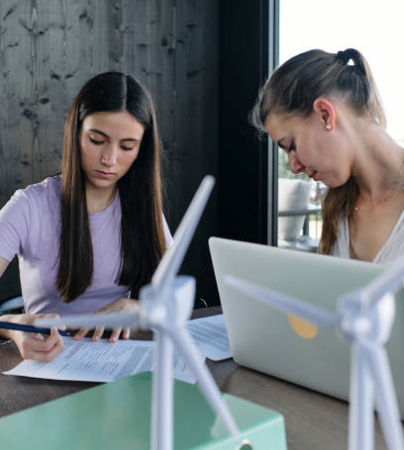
(269, 341)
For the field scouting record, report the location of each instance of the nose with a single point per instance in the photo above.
(294, 163)
(109, 155)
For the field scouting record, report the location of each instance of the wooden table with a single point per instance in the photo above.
(313, 421)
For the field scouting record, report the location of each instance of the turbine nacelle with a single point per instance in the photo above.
(362, 321)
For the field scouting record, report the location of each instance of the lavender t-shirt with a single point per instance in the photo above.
(30, 227)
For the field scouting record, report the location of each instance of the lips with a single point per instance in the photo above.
(103, 174)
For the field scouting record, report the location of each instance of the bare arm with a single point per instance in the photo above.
(3, 265)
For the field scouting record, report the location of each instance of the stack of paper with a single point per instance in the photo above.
(103, 362)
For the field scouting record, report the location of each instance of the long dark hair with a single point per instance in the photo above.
(142, 233)
(293, 88)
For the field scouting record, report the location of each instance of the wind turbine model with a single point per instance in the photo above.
(165, 306)
(365, 318)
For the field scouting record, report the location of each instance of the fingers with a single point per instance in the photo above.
(41, 343)
(98, 332)
(49, 356)
(53, 345)
(35, 346)
(81, 333)
(115, 335)
(121, 304)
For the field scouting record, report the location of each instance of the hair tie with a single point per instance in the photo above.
(344, 56)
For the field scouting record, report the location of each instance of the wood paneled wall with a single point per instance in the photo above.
(49, 48)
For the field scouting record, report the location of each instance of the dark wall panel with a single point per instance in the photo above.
(244, 163)
(48, 49)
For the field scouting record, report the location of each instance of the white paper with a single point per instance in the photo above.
(210, 335)
(99, 361)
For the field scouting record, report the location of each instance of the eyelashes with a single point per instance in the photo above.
(94, 141)
(291, 147)
(97, 142)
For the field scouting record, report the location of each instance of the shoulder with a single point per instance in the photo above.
(49, 186)
(47, 191)
(35, 199)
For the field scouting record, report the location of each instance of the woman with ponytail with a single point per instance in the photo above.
(93, 235)
(324, 111)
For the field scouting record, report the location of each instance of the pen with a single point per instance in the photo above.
(29, 328)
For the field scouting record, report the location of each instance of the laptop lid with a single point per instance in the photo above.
(282, 345)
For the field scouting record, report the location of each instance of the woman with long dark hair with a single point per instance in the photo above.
(323, 110)
(89, 237)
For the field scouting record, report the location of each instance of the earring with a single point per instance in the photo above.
(328, 127)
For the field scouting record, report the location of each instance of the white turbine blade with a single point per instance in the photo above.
(106, 320)
(361, 395)
(189, 351)
(172, 259)
(284, 303)
(386, 399)
(388, 281)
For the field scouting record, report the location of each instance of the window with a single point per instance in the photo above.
(376, 30)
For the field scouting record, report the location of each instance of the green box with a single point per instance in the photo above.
(117, 416)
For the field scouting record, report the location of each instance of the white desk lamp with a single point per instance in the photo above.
(365, 318)
(165, 306)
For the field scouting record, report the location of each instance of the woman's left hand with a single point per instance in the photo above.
(121, 305)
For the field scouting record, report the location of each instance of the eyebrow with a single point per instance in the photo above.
(94, 130)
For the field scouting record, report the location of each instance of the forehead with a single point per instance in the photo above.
(281, 126)
(114, 123)
(280, 121)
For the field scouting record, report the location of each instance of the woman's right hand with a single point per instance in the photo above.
(35, 346)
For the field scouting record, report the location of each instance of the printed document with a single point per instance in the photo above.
(99, 361)
(103, 362)
(210, 335)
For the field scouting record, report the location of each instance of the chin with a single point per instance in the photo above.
(331, 184)
(335, 183)
(102, 184)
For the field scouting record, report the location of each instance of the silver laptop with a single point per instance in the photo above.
(269, 341)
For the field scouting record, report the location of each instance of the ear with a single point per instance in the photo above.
(325, 111)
